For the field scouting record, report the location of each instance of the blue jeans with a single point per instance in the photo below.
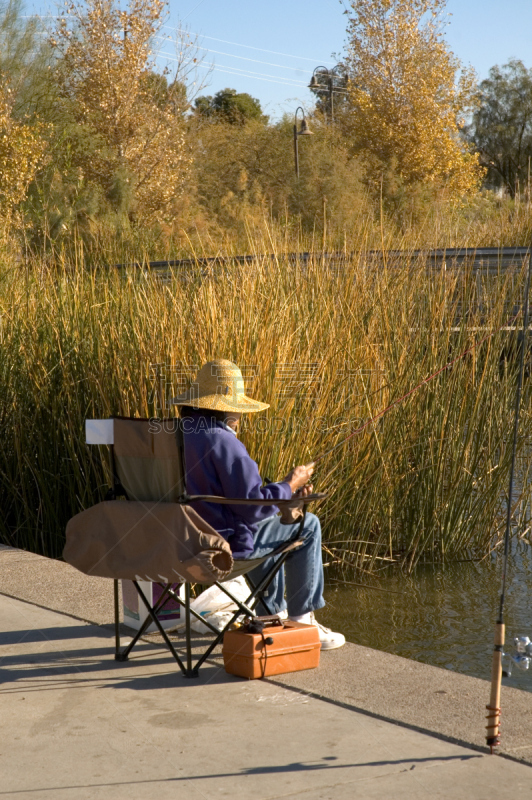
(301, 578)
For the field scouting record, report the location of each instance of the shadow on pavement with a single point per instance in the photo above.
(298, 766)
(48, 667)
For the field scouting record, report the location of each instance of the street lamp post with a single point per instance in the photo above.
(330, 75)
(303, 131)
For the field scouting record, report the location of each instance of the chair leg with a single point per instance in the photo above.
(260, 599)
(151, 617)
(191, 672)
(118, 655)
(244, 608)
(217, 640)
(257, 594)
(124, 654)
(152, 612)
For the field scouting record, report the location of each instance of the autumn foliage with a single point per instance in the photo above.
(107, 84)
(407, 94)
(99, 142)
(22, 148)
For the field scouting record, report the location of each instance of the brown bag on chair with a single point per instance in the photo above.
(154, 541)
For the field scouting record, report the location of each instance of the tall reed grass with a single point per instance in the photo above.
(328, 348)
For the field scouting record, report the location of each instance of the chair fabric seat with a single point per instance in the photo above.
(241, 566)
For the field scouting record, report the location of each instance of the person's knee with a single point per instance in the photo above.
(312, 527)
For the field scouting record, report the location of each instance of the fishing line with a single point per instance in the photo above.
(494, 710)
(423, 382)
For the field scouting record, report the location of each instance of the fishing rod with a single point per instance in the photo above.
(494, 710)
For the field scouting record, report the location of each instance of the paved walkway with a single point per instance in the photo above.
(76, 724)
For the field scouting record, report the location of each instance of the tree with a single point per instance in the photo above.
(22, 135)
(230, 106)
(109, 90)
(407, 94)
(501, 128)
(23, 58)
(22, 148)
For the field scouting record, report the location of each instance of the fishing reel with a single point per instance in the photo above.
(520, 658)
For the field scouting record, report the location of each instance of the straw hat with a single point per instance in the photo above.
(219, 385)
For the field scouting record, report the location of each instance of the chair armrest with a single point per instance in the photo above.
(240, 501)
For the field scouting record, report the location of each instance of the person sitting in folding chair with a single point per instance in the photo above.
(217, 463)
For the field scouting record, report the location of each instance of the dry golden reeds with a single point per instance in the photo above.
(328, 346)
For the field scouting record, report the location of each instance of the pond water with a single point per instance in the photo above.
(442, 615)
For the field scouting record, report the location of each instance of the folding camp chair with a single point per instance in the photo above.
(147, 463)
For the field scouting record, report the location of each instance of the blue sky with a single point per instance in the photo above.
(270, 48)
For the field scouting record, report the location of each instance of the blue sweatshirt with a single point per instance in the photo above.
(218, 463)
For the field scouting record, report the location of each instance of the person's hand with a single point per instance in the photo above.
(294, 512)
(304, 491)
(299, 476)
(301, 493)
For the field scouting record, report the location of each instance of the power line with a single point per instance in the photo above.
(242, 58)
(292, 82)
(235, 44)
(195, 7)
(243, 73)
(250, 47)
(223, 41)
(257, 77)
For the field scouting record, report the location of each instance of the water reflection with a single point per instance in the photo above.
(444, 616)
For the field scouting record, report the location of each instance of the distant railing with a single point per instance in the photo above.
(487, 259)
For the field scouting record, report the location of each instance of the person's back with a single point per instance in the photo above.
(217, 463)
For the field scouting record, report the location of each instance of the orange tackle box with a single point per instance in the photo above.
(281, 646)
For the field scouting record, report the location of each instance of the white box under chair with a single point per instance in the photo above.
(135, 611)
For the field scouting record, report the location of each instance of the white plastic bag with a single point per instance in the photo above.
(213, 604)
(216, 606)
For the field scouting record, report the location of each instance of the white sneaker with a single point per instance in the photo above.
(329, 640)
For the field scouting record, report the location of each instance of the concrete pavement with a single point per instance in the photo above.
(76, 724)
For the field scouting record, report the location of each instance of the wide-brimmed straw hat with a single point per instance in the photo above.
(219, 385)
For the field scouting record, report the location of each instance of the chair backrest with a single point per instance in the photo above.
(147, 459)
(152, 537)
